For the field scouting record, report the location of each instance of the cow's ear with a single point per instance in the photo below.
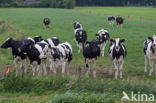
(112, 40)
(150, 38)
(87, 42)
(96, 34)
(122, 40)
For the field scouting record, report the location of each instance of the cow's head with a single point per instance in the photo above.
(81, 35)
(77, 25)
(117, 43)
(37, 38)
(102, 36)
(153, 39)
(7, 43)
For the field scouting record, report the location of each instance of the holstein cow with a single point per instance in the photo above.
(91, 52)
(81, 38)
(111, 19)
(61, 55)
(77, 25)
(150, 54)
(37, 55)
(102, 37)
(117, 53)
(46, 22)
(19, 57)
(119, 20)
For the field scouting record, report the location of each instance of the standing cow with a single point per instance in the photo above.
(81, 38)
(102, 37)
(46, 22)
(117, 53)
(119, 20)
(91, 52)
(150, 54)
(111, 20)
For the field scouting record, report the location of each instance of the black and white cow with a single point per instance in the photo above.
(117, 53)
(77, 25)
(91, 52)
(54, 41)
(102, 37)
(19, 57)
(61, 55)
(46, 22)
(81, 38)
(111, 20)
(150, 54)
(119, 20)
(37, 55)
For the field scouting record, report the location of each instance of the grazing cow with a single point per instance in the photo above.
(91, 52)
(117, 53)
(46, 22)
(102, 37)
(37, 54)
(150, 53)
(61, 55)
(77, 25)
(81, 38)
(111, 20)
(119, 20)
(19, 57)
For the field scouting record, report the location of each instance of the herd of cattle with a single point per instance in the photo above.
(44, 53)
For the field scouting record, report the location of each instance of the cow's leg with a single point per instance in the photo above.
(116, 70)
(25, 66)
(121, 68)
(94, 68)
(39, 70)
(88, 67)
(79, 47)
(21, 64)
(63, 67)
(44, 67)
(146, 63)
(34, 67)
(151, 68)
(67, 68)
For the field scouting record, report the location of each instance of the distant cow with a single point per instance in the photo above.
(91, 53)
(81, 38)
(102, 37)
(150, 54)
(77, 25)
(117, 53)
(119, 20)
(19, 57)
(46, 22)
(111, 19)
(61, 55)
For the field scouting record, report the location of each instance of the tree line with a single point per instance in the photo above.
(71, 3)
(116, 3)
(38, 3)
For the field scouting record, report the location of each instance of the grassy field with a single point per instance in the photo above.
(23, 22)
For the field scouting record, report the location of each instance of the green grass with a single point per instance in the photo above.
(23, 22)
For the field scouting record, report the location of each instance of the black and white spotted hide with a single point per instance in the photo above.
(150, 54)
(61, 55)
(81, 38)
(117, 53)
(91, 52)
(102, 37)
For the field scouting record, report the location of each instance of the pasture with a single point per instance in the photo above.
(23, 22)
